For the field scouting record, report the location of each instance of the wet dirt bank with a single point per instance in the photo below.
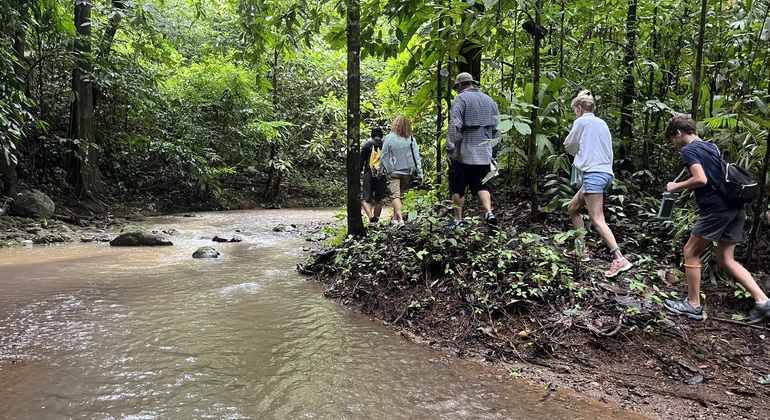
(514, 303)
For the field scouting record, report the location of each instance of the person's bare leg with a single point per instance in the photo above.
(367, 208)
(485, 199)
(459, 203)
(397, 216)
(726, 260)
(574, 208)
(692, 251)
(377, 208)
(595, 206)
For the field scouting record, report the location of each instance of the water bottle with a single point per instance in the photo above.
(666, 210)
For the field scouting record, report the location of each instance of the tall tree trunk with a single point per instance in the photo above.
(698, 62)
(627, 99)
(561, 38)
(355, 222)
(439, 121)
(108, 39)
(83, 165)
(646, 149)
(112, 28)
(471, 51)
(532, 147)
(273, 185)
(471, 54)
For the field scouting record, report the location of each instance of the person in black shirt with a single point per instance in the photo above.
(373, 189)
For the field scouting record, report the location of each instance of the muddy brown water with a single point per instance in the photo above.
(99, 332)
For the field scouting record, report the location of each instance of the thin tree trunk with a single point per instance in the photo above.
(471, 51)
(561, 39)
(698, 62)
(273, 184)
(532, 148)
(627, 99)
(439, 121)
(646, 149)
(355, 222)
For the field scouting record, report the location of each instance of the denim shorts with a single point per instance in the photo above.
(723, 226)
(597, 182)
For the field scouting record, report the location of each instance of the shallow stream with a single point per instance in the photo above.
(99, 332)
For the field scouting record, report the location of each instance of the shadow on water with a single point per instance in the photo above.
(91, 331)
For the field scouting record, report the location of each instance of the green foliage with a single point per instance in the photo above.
(487, 269)
(215, 96)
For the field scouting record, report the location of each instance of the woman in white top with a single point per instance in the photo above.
(591, 144)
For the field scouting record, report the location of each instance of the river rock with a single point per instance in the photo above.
(92, 237)
(137, 236)
(227, 238)
(33, 204)
(285, 228)
(205, 252)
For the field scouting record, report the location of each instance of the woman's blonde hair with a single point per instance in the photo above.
(402, 127)
(585, 101)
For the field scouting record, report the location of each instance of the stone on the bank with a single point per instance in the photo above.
(205, 252)
(33, 204)
(137, 236)
(135, 217)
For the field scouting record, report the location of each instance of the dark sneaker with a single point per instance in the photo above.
(490, 218)
(760, 312)
(455, 225)
(683, 307)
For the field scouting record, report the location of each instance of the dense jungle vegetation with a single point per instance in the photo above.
(175, 104)
(224, 104)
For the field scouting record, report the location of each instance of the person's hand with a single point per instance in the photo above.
(672, 187)
(449, 160)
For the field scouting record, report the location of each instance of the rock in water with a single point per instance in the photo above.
(205, 252)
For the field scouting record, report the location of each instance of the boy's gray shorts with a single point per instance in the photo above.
(724, 226)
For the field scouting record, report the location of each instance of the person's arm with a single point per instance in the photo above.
(384, 155)
(697, 179)
(417, 159)
(454, 133)
(572, 142)
(366, 150)
(496, 134)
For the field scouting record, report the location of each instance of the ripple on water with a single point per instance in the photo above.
(40, 328)
(233, 292)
